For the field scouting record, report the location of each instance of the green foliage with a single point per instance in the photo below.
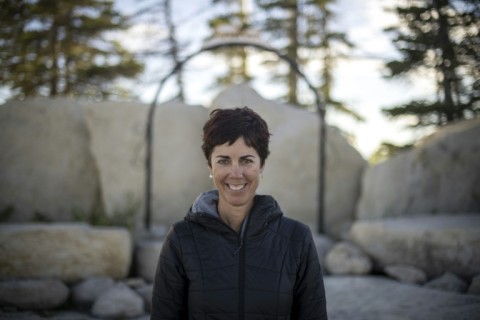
(442, 36)
(122, 217)
(299, 27)
(232, 23)
(59, 48)
(6, 213)
(41, 217)
(386, 151)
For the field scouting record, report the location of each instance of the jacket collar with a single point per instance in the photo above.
(204, 211)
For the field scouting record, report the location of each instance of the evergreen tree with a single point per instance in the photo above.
(443, 36)
(301, 28)
(232, 22)
(52, 48)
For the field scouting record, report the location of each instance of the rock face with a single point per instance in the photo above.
(85, 292)
(180, 168)
(448, 282)
(291, 171)
(116, 134)
(180, 172)
(67, 252)
(346, 258)
(474, 287)
(46, 167)
(33, 294)
(62, 159)
(439, 176)
(434, 244)
(118, 302)
(406, 274)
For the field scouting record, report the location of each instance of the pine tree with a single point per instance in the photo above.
(301, 28)
(232, 22)
(443, 36)
(52, 48)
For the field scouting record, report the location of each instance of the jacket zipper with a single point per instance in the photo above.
(241, 270)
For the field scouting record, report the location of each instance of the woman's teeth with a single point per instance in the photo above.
(236, 187)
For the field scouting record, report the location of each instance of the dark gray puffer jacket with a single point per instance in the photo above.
(270, 270)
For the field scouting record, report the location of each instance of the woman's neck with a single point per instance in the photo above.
(233, 216)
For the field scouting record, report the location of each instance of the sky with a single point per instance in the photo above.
(358, 82)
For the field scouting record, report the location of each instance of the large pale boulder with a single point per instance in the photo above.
(441, 175)
(346, 258)
(118, 302)
(118, 143)
(68, 252)
(46, 168)
(63, 159)
(146, 257)
(436, 244)
(180, 171)
(85, 292)
(33, 294)
(116, 134)
(291, 171)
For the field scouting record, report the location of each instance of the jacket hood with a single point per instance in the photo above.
(204, 211)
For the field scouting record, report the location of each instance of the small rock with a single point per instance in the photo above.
(406, 274)
(134, 283)
(69, 315)
(85, 292)
(323, 244)
(346, 258)
(118, 302)
(448, 282)
(474, 287)
(146, 293)
(146, 258)
(26, 315)
(33, 294)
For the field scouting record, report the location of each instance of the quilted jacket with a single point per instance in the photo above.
(269, 270)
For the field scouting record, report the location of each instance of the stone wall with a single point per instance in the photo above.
(442, 175)
(62, 158)
(47, 168)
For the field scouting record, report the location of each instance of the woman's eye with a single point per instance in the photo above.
(222, 161)
(247, 161)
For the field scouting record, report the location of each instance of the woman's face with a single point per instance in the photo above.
(236, 171)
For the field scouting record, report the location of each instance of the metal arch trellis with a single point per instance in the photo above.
(236, 43)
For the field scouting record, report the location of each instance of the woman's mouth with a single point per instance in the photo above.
(236, 187)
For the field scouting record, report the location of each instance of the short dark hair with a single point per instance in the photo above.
(227, 125)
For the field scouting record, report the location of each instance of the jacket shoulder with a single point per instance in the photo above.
(292, 229)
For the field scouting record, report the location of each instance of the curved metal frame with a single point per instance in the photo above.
(236, 43)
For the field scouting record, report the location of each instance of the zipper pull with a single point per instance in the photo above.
(238, 249)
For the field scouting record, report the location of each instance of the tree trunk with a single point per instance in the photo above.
(174, 47)
(292, 52)
(447, 62)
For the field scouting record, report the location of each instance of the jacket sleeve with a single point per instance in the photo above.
(309, 300)
(170, 289)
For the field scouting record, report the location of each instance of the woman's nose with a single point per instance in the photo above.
(237, 171)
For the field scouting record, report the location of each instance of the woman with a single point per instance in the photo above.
(235, 256)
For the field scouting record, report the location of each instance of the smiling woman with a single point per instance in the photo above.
(235, 255)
